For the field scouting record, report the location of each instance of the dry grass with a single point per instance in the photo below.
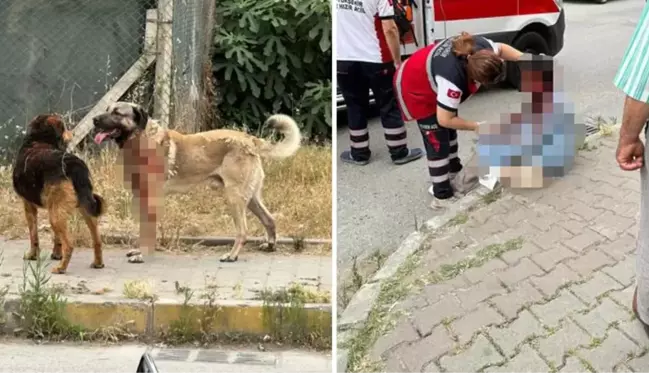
(297, 191)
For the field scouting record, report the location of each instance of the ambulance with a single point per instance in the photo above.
(532, 26)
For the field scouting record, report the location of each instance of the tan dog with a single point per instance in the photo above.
(225, 159)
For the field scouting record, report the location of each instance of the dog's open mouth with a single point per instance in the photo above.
(101, 136)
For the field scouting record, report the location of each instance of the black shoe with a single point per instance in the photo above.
(413, 155)
(346, 157)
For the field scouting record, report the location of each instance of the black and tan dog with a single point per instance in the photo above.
(46, 176)
(225, 159)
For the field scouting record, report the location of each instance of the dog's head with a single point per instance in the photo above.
(49, 129)
(120, 121)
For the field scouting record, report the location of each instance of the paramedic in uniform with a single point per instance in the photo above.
(430, 86)
(368, 53)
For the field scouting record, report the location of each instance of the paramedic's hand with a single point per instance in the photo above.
(397, 64)
(478, 124)
(630, 154)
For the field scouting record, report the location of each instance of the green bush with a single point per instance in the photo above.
(274, 56)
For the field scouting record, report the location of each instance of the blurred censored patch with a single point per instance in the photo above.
(540, 142)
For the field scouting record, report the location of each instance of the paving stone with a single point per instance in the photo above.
(639, 364)
(515, 218)
(471, 297)
(589, 262)
(393, 363)
(610, 225)
(546, 218)
(586, 212)
(552, 312)
(593, 288)
(430, 368)
(582, 241)
(548, 259)
(528, 249)
(622, 368)
(557, 201)
(623, 297)
(620, 248)
(634, 330)
(404, 332)
(597, 321)
(427, 318)
(623, 272)
(574, 226)
(434, 292)
(465, 327)
(480, 354)
(573, 365)
(548, 239)
(568, 337)
(509, 337)
(523, 294)
(552, 281)
(527, 360)
(475, 275)
(524, 269)
(611, 352)
(415, 356)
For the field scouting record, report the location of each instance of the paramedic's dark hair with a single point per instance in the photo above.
(483, 66)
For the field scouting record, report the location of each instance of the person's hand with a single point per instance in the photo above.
(397, 64)
(630, 154)
(478, 124)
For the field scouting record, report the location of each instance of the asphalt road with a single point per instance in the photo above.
(378, 203)
(23, 356)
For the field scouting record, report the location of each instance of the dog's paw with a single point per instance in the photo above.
(133, 252)
(96, 265)
(136, 259)
(56, 256)
(30, 256)
(228, 259)
(58, 270)
(267, 246)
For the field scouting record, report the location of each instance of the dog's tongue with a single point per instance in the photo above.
(101, 136)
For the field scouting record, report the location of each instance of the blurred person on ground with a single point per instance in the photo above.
(367, 55)
(527, 149)
(633, 79)
(430, 87)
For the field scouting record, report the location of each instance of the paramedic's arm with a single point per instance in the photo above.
(390, 30)
(448, 101)
(509, 53)
(506, 52)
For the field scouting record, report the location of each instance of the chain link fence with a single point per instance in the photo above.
(75, 57)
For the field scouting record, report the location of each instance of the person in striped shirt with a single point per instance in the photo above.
(633, 79)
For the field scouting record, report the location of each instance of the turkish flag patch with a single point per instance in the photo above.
(453, 94)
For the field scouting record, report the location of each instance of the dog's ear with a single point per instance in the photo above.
(38, 123)
(140, 116)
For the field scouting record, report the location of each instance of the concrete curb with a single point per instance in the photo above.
(355, 315)
(357, 311)
(151, 319)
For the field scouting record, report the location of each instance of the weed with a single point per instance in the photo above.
(492, 196)
(138, 289)
(182, 330)
(287, 320)
(42, 309)
(459, 219)
(449, 271)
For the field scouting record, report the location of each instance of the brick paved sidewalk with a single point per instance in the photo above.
(557, 299)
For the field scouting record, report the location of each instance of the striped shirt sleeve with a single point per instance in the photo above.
(632, 76)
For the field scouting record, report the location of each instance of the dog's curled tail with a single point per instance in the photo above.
(285, 125)
(79, 174)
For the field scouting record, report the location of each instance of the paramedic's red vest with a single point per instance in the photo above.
(414, 82)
